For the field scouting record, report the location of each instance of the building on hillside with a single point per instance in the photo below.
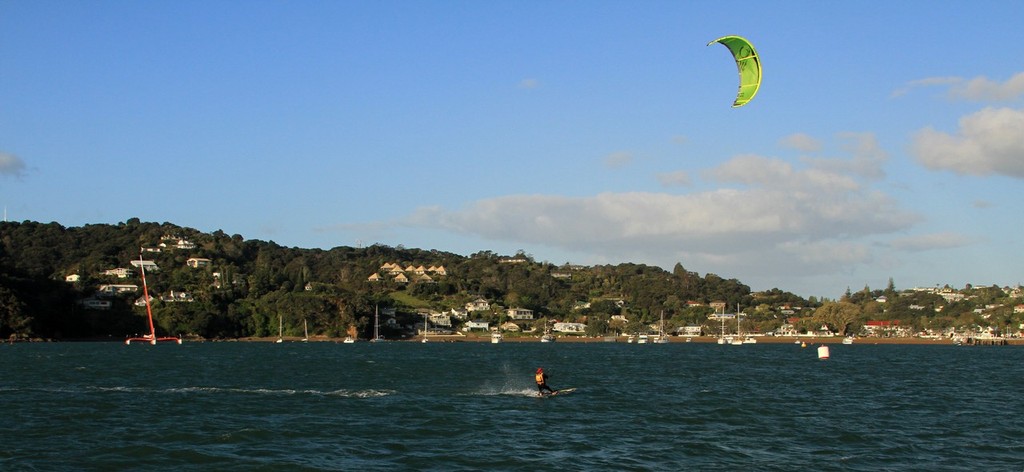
(149, 266)
(519, 314)
(116, 289)
(573, 328)
(120, 272)
(476, 325)
(478, 305)
(197, 262)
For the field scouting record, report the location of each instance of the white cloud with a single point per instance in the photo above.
(617, 160)
(867, 157)
(11, 165)
(801, 142)
(987, 142)
(984, 89)
(977, 89)
(928, 242)
(679, 178)
(785, 219)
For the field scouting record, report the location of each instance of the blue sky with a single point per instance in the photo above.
(887, 140)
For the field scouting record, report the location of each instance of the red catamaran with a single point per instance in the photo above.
(151, 337)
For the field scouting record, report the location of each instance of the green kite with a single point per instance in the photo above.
(748, 64)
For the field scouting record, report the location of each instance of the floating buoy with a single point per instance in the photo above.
(803, 344)
(822, 352)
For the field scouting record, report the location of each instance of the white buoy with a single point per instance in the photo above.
(822, 352)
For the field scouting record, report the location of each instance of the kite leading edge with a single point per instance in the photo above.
(749, 66)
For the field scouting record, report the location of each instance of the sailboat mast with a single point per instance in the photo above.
(145, 296)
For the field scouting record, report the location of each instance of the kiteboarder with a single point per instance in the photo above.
(542, 382)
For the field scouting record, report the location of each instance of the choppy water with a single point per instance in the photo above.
(469, 406)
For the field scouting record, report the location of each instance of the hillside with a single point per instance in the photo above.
(214, 285)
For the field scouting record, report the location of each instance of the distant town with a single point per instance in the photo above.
(219, 286)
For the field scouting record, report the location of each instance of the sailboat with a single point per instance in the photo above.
(721, 334)
(305, 331)
(280, 329)
(151, 337)
(661, 339)
(737, 341)
(376, 326)
(424, 327)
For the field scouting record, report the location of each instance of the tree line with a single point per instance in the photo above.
(249, 287)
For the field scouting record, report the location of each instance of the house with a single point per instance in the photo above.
(575, 328)
(120, 272)
(96, 304)
(185, 244)
(146, 265)
(374, 277)
(141, 301)
(73, 278)
(519, 314)
(439, 270)
(441, 319)
(197, 262)
(689, 330)
(401, 278)
(459, 313)
(718, 306)
(510, 326)
(877, 327)
(1018, 309)
(476, 325)
(117, 289)
(178, 297)
(478, 305)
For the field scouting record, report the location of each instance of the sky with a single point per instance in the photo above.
(886, 141)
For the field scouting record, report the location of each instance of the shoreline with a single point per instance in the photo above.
(808, 340)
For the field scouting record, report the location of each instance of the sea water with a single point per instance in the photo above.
(473, 406)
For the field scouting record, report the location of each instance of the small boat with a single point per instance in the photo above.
(547, 338)
(749, 340)
(305, 331)
(349, 340)
(642, 339)
(280, 329)
(848, 340)
(496, 337)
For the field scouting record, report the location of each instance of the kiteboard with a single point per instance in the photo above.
(563, 391)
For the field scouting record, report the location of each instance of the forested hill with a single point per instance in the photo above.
(61, 282)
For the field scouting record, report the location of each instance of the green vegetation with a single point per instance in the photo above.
(238, 288)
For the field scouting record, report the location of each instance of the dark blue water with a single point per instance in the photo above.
(470, 406)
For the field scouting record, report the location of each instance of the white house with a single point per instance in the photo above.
(569, 327)
(115, 289)
(120, 272)
(197, 262)
(477, 324)
(478, 305)
(73, 278)
(147, 265)
(519, 314)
